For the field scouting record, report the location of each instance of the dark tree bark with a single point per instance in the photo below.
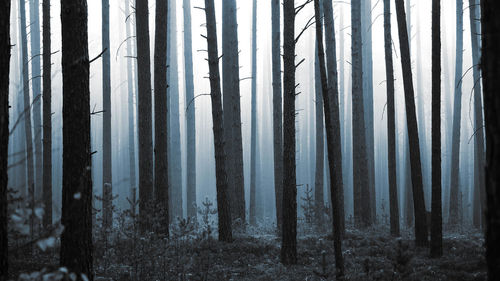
(144, 111)
(289, 228)
(47, 117)
(76, 239)
(332, 130)
(421, 232)
(490, 66)
(190, 114)
(161, 184)
(436, 216)
(277, 112)
(391, 123)
(4, 132)
(320, 145)
(253, 134)
(223, 202)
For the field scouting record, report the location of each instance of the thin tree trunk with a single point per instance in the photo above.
(490, 67)
(190, 114)
(289, 230)
(330, 91)
(457, 116)
(253, 141)
(144, 112)
(421, 231)
(76, 239)
(107, 178)
(4, 133)
(437, 217)
(320, 146)
(223, 202)
(161, 183)
(362, 214)
(277, 111)
(47, 117)
(391, 123)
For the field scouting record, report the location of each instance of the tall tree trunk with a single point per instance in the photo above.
(391, 123)
(144, 112)
(232, 114)
(320, 146)
(437, 217)
(4, 133)
(490, 66)
(330, 91)
(421, 231)
(161, 184)
(407, 165)
(253, 141)
(36, 88)
(47, 117)
(223, 202)
(107, 178)
(289, 229)
(333, 93)
(457, 116)
(362, 214)
(76, 239)
(190, 114)
(277, 111)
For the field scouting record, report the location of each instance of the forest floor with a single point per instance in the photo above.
(369, 254)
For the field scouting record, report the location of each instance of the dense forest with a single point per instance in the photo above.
(249, 140)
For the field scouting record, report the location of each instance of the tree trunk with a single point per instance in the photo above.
(190, 114)
(362, 214)
(4, 133)
(144, 112)
(289, 230)
(320, 146)
(490, 67)
(47, 117)
(107, 179)
(223, 202)
(253, 141)
(277, 112)
(161, 184)
(437, 217)
(76, 239)
(391, 123)
(421, 231)
(330, 91)
(457, 116)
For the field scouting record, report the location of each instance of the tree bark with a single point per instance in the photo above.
(253, 141)
(289, 228)
(190, 114)
(47, 117)
(332, 129)
(161, 180)
(437, 217)
(391, 123)
(223, 202)
(144, 112)
(421, 232)
(4, 133)
(76, 239)
(320, 146)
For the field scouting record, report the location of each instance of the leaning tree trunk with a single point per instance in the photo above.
(144, 112)
(277, 111)
(457, 116)
(190, 114)
(330, 91)
(223, 202)
(161, 184)
(253, 134)
(362, 214)
(391, 123)
(76, 239)
(437, 219)
(4, 133)
(47, 117)
(490, 67)
(421, 231)
(289, 228)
